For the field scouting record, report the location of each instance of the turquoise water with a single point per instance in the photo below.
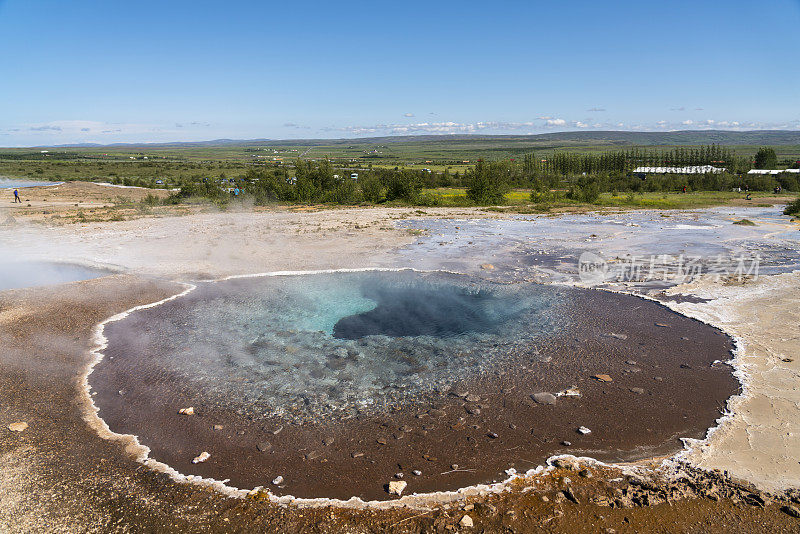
(301, 347)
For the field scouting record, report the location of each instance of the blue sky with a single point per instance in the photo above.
(100, 71)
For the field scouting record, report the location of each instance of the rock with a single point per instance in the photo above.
(570, 495)
(468, 507)
(327, 441)
(18, 427)
(396, 487)
(278, 480)
(357, 454)
(264, 446)
(398, 475)
(638, 391)
(472, 398)
(187, 411)
(618, 336)
(202, 457)
(313, 455)
(466, 522)
(492, 435)
(583, 430)
(662, 325)
(487, 267)
(567, 463)
(569, 392)
(791, 510)
(566, 443)
(472, 409)
(453, 466)
(381, 441)
(585, 473)
(544, 398)
(630, 362)
(417, 472)
(436, 413)
(603, 378)
(658, 379)
(218, 427)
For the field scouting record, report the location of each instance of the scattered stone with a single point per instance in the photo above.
(583, 430)
(468, 507)
(417, 472)
(662, 325)
(453, 466)
(787, 360)
(566, 443)
(278, 480)
(398, 475)
(327, 440)
(638, 391)
(630, 362)
(472, 398)
(472, 409)
(396, 487)
(218, 427)
(357, 454)
(569, 392)
(570, 495)
(685, 366)
(187, 411)
(429, 457)
(406, 428)
(466, 522)
(658, 379)
(791, 510)
(585, 473)
(202, 457)
(312, 455)
(264, 446)
(603, 378)
(492, 435)
(544, 398)
(618, 336)
(381, 441)
(18, 427)
(487, 267)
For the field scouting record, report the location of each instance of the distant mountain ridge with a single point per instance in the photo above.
(621, 138)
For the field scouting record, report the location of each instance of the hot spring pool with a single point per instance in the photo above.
(338, 381)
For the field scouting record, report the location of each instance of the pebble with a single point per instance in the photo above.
(603, 378)
(381, 441)
(658, 379)
(630, 362)
(396, 487)
(487, 267)
(417, 472)
(544, 398)
(566, 443)
(218, 427)
(18, 427)
(327, 441)
(492, 435)
(202, 457)
(187, 411)
(472, 409)
(312, 455)
(638, 391)
(454, 466)
(277, 480)
(583, 430)
(662, 325)
(472, 398)
(264, 446)
(466, 522)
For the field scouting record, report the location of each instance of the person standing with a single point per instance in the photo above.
(16, 197)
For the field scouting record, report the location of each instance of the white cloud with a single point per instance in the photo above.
(556, 122)
(408, 115)
(688, 122)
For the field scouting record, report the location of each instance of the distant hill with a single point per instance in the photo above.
(611, 138)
